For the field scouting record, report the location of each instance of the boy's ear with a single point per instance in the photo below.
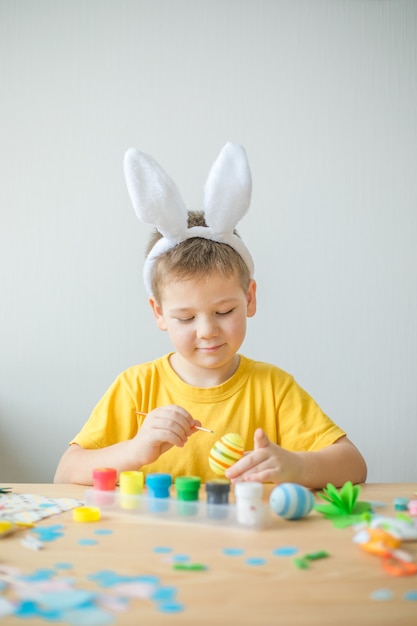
(251, 299)
(157, 311)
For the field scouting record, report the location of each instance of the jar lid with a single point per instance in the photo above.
(187, 482)
(218, 486)
(86, 514)
(159, 483)
(248, 490)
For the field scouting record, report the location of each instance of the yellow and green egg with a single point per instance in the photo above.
(225, 452)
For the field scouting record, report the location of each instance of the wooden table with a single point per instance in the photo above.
(232, 590)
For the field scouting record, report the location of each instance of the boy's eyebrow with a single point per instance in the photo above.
(218, 303)
(181, 310)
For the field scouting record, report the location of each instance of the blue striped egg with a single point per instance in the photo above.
(291, 501)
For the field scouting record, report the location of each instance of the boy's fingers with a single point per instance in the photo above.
(260, 439)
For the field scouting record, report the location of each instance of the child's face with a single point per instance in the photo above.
(206, 319)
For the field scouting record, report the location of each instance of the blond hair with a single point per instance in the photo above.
(196, 258)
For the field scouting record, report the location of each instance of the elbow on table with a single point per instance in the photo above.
(65, 471)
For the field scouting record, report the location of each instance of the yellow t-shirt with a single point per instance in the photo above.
(257, 395)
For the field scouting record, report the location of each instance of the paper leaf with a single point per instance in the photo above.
(348, 497)
(361, 507)
(343, 521)
(328, 510)
(343, 508)
(330, 494)
(334, 493)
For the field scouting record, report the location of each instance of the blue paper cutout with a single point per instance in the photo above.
(170, 607)
(180, 558)
(255, 561)
(233, 551)
(87, 542)
(40, 574)
(48, 533)
(108, 578)
(161, 549)
(164, 593)
(285, 551)
(382, 594)
(411, 595)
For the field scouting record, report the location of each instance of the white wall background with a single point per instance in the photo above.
(323, 95)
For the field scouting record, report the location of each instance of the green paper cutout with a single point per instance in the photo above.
(405, 517)
(343, 507)
(314, 556)
(303, 562)
(195, 567)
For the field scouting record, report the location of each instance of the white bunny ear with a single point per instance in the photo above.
(154, 195)
(228, 189)
(156, 200)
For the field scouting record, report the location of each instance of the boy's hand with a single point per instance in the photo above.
(267, 462)
(162, 429)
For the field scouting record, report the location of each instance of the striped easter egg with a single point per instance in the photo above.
(291, 501)
(225, 452)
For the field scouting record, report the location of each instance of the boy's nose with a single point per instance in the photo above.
(207, 328)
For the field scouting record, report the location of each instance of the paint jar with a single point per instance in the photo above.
(249, 509)
(187, 489)
(131, 482)
(104, 485)
(400, 504)
(412, 508)
(131, 485)
(158, 486)
(217, 491)
(104, 478)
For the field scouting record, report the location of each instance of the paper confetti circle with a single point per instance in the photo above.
(225, 452)
(291, 501)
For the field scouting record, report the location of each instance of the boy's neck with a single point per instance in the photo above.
(202, 377)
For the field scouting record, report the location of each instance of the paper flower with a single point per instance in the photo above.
(343, 507)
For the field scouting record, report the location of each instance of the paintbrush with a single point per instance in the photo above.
(206, 430)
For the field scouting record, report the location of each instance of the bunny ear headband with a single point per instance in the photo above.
(156, 200)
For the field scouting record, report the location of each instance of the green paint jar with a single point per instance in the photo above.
(187, 489)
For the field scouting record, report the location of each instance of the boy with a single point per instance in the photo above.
(199, 276)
